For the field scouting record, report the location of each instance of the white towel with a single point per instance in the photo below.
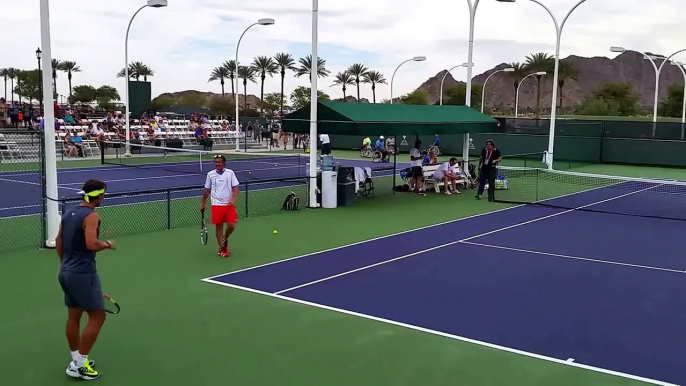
(359, 177)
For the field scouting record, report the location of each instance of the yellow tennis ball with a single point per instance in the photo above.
(249, 172)
(275, 231)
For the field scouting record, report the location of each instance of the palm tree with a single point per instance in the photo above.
(539, 62)
(358, 70)
(516, 76)
(56, 65)
(69, 67)
(264, 66)
(564, 72)
(132, 73)
(12, 73)
(247, 74)
(4, 72)
(231, 67)
(219, 73)
(284, 62)
(144, 71)
(373, 78)
(306, 65)
(343, 79)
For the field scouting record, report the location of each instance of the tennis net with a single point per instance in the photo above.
(178, 160)
(642, 197)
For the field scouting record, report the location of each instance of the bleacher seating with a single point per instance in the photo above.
(19, 148)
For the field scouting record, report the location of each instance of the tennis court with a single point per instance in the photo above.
(175, 328)
(592, 279)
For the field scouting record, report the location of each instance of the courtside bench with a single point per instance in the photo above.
(428, 173)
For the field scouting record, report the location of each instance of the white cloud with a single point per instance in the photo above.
(184, 41)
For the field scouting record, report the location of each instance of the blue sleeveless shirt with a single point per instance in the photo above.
(76, 257)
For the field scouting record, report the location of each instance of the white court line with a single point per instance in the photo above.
(447, 245)
(557, 214)
(396, 234)
(574, 257)
(34, 183)
(446, 335)
(366, 267)
(360, 242)
(21, 207)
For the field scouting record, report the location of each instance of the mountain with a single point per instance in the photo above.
(253, 101)
(628, 67)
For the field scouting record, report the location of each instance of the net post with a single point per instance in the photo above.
(168, 209)
(538, 172)
(102, 154)
(395, 161)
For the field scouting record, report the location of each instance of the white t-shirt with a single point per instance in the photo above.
(324, 138)
(442, 170)
(415, 153)
(221, 186)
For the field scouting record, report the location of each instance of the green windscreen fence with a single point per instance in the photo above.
(576, 141)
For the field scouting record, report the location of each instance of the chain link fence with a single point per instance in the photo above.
(22, 184)
(130, 213)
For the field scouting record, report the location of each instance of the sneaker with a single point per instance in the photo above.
(84, 372)
(224, 252)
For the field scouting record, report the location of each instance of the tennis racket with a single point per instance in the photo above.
(111, 305)
(203, 229)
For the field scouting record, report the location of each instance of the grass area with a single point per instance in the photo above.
(175, 329)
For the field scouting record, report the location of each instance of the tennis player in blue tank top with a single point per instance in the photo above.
(77, 244)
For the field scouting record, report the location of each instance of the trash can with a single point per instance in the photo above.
(329, 192)
(346, 186)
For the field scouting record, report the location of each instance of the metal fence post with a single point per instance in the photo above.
(247, 188)
(168, 209)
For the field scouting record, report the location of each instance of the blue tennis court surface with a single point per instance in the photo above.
(599, 291)
(23, 189)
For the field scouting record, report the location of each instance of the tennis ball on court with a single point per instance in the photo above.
(249, 172)
(275, 231)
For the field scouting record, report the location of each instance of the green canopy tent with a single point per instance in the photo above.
(372, 119)
(369, 119)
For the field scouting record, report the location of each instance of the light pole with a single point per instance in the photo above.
(540, 73)
(553, 106)
(658, 70)
(443, 80)
(483, 89)
(52, 214)
(153, 4)
(314, 74)
(415, 59)
(679, 65)
(259, 22)
(39, 55)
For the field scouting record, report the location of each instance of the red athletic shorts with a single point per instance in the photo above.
(224, 214)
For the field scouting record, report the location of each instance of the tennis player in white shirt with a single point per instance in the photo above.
(222, 186)
(446, 174)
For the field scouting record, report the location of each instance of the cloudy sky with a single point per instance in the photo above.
(186, 40)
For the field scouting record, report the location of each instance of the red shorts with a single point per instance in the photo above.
(224, 214)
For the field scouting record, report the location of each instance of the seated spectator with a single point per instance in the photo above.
(69, 120)
(446, 174)
(225, 126)
(430, 158)
(97, 134)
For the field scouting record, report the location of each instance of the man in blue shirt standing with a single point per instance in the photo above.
(77, 244)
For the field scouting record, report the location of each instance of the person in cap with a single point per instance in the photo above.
(222, 185)
(77, 243)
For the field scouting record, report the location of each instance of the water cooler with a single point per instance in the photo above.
(329, 189)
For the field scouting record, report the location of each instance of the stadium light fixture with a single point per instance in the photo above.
(238, 122)
(618, 49)
(483, 88)
(151, 4)
(556, 72)
(415, 59)
(540, 73)
(440, 97)
(157, 3)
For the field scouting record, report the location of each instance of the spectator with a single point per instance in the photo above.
(417, 183)
(488, 169)
(326, 144)
(446, 174)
